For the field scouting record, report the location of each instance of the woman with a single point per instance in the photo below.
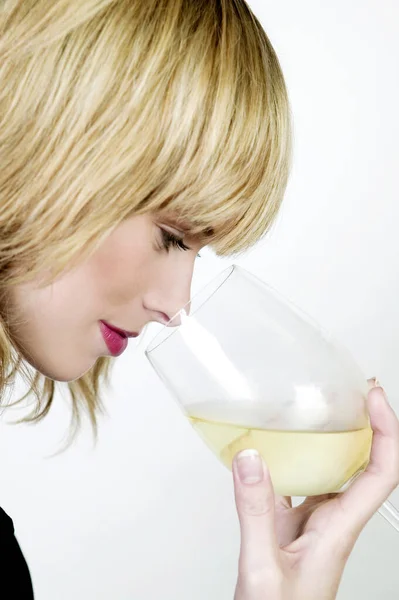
(132, 133)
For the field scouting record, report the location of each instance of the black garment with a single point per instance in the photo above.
(16, 583)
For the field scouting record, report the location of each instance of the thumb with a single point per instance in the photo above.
(255, 505)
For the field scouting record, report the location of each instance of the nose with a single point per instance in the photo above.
(170, 292)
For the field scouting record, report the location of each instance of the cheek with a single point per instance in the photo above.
(55, 328)
(38, 312)
(121, 270)
(56, 312)
(114, 280)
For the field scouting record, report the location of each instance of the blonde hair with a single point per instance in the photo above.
(110, 108)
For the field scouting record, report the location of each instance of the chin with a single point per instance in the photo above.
(61, 373)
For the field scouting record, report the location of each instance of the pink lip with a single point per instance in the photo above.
(116, 339)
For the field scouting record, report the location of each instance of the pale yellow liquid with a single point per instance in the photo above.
(301, 463)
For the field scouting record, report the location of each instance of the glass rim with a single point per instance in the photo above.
(168, 330)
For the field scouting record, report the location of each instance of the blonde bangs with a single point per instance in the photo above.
(146, 106)
(110, 108)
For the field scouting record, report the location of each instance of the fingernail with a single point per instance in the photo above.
(249, 466)
(375, 383)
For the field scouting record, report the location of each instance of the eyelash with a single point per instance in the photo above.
(171, 241)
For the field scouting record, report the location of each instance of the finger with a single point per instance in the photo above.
(372, 382)
(255, 506)
(372, 488)
(312, 500)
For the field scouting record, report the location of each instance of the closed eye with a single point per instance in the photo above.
(169, 240)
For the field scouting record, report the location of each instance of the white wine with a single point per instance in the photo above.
(301, 463)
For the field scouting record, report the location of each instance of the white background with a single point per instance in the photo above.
(148, 514)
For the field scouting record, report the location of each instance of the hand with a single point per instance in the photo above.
(300, 553)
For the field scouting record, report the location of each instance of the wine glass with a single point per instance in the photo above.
(250, 370)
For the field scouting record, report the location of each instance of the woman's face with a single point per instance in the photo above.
(139, 274)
